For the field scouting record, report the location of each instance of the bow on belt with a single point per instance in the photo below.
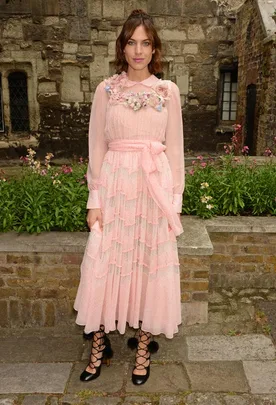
(149, 150)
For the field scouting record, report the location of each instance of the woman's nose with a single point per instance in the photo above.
(138, 49)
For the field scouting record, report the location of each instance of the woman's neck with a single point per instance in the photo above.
(138, 75)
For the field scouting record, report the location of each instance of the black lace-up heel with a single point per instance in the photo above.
(144, 351)
(103, 353)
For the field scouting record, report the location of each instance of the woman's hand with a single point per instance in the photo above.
(93, 215)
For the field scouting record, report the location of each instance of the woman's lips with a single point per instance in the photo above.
(138, 60)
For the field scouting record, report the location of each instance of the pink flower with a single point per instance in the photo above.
(163, 90)
(191, 172)
(200, 157)
(203, 164)
(66, 169)
(268, 152)
(43, 172)
(245, 150)
(193, 162)
(24, 159)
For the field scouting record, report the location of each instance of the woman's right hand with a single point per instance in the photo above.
(93, 215)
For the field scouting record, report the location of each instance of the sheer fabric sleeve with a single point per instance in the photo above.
(97, 144)
(175, 146)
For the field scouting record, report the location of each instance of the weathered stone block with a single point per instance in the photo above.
(111, 48)
(24, 271)
(85, 58)
(183, 83)
(190, 48)
(79, 29)
(4, 314)
(13, 29)
(113, 9)
(69, 47)
(194, 312)
(100, 50)
(172, 48)
(195, 31)
(196, 7)
(169, 7)
(98, 67)
(221, 376)
(70, 86)
(49, 313)
(107, 35)
(85, 85)
(37, 314)
(135, 4)
(94, 8)
(35, 32)
(81, 8)
(173, 35)
(48, 98)
(51, 20)
(47, 87)
(217, 33)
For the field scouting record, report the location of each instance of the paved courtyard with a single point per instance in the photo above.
(188, 370)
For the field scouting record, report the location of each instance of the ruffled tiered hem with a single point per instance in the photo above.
(130, 270)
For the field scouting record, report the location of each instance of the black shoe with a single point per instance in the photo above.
(144, 352)
(103, 352)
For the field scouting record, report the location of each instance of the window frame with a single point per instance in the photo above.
(232, 71)
(2, 129)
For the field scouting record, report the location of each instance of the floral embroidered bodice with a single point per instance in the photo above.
(127, 110)
(155, 97)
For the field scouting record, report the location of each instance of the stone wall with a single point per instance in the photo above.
(242, 270)
(228, 262)
(256, 52)
(69, 48)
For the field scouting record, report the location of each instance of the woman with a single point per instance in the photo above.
(130, 269)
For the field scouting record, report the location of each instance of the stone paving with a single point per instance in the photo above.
(188, 370)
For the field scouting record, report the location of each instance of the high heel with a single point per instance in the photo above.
(150, 348)
(102, 346)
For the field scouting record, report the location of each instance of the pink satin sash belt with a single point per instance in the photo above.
(150, 149)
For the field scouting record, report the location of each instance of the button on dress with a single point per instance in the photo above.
(130, 268)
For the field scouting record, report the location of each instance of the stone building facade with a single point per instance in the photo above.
(255, 48)
(54, 53)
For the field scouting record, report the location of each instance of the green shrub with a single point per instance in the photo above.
(55, 199)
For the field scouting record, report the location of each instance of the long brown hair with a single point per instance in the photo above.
(136, 18)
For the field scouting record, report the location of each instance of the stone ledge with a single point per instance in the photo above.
(194, 241)
(241, 224)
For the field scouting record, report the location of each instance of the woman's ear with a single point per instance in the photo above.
(153, 51)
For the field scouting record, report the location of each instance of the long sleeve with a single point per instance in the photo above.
(97, 144)
(175, 146)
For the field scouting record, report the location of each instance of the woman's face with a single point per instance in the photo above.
(138, 50)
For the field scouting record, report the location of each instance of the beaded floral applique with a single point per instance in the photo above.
(156, 97)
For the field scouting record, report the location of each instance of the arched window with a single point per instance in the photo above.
(1, 107)
(19, 109)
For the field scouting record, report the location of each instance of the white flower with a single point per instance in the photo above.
(204, 185)
(56, 182)
(205, 198)
(209, 206)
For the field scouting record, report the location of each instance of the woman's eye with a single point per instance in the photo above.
(130, 43)
(146, 43)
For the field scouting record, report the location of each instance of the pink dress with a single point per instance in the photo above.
(130, 269)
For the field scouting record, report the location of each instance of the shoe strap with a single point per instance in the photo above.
(98, 345)
(143, 337)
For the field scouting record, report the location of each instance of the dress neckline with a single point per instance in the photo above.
(149, 81)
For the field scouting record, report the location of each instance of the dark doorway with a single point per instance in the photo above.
(250, 118)
(19, 102)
